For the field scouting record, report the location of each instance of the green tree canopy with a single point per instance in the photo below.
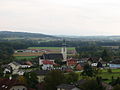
(71, 77)
(88, 71)
(31, 79)
(91, 85)
(53, 79)
(117, 87)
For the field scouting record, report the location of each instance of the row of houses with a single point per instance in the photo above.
(48, 60)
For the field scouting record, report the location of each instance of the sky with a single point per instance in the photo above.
(61, 17)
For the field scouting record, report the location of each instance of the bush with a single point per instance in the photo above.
(109, 70)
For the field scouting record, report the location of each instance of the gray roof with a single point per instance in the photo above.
(80, 82)
(52, 56)
(15, 63)
(66, 86)
(41, 72)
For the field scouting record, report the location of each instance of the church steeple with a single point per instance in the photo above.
(64, 50)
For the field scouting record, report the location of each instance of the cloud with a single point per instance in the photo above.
(72, 17)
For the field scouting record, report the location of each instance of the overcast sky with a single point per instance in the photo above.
(61, 17)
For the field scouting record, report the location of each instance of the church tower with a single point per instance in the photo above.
(64, 50)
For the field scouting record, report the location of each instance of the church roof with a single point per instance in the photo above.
(52, 56)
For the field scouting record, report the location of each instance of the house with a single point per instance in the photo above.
(79, 66)
(18, 87)
(17, 65)
(14, 65)
(112, 65)
(28, 51)
(47, 60)
(11, 84)
(40, 86)
(83, 60)
(67, 87)
(115, 64)
(107, 86)
(97, 62)
(6, 69)
(92, 60)
(71, 62)
(50, 57)
(24, 64)
(80, 82)
(47, 64)
(99, 65)
(41, 74)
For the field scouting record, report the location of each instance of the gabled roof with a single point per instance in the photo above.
(93, 59)
(6, 84)
(80, 82)
(52, 56)
(116, 61)
(48, 62)
(72, 59)
(66, 86)
(15, 63)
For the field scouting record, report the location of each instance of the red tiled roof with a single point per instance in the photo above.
(79, 67)
(48, 62)
(71, 62)
(29, 63)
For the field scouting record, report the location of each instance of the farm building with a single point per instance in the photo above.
(115, 63)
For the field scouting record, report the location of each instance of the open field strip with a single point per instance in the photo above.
(25, 57)
(27, 54)
(51, 48)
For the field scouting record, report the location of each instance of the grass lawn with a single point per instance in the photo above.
(53, 48)
(25, 57)
(113, 70)
(106, 75)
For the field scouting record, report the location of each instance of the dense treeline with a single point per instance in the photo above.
(24, 43)
(6, 53)
(8, 34)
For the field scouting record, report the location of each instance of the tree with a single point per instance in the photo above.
(1, 72)
(58, 61)
(117, 87)
(6, 53)
(53, 79)
(72, 77)
(31, 79)
(115, 81)
(22, 79)
(88, 71)
(105, 55)
(91, 85)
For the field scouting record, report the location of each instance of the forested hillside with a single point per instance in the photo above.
(7, 34)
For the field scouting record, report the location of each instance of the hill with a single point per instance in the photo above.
(9, 34)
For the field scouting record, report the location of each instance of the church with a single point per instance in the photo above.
(51, 57)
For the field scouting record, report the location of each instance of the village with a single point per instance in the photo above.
(48, 62)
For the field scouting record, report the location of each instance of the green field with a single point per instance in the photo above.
(25, 57)
(106, 75)
(53, 48)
